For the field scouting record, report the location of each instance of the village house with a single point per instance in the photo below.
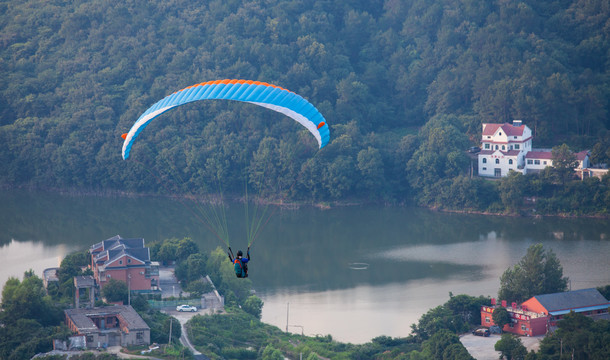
(118, 325)
(540, 314)
(506, 147)
(127, 260)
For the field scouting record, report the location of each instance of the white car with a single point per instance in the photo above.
(186, 308)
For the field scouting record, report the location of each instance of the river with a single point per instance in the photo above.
(352, 272)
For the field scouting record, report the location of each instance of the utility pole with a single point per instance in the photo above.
(128, 289)
(287, 313)
(170, 331)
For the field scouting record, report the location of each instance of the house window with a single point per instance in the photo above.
(544, 162)
(537, 162)
(497, 172)
(516, 146)
(529, 162)
(500, 133)
(120, 262)
(514, 137)
(487, 319)
(503, 147)
(497, 161)
(128, 260)
(139, 335)
(484, 161)
(108, 276)
(510, 161)
(496, 147)
(487, 146)
(484, 168)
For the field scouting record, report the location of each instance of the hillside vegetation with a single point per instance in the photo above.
(404, 85)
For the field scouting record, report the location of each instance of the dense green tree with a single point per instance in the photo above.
(468, 307)
(564, 162)
(501, 317)
(538, 272)
(444, 345)
(510, 347)
(160, 325)
(27, 300)
(370, 165)
(600, 153)
(577, 336)
(437, 319)
(29, 320)
(512, 189)
(253, 306)
(115, 291)
(186, 247)
(456, 352)
(192, 269)
(77, 75)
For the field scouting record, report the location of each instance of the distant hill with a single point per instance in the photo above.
(74, 76)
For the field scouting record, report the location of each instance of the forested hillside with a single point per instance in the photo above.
(404, 86)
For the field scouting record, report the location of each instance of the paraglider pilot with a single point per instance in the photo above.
(240, 263)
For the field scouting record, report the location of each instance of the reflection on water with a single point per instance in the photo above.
(18, 257)
(413, 257)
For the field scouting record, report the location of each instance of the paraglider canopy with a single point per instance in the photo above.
(259, 93)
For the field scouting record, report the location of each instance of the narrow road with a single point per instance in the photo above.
(183, 318)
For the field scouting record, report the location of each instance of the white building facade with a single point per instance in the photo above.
(506, 147)
(503, 148)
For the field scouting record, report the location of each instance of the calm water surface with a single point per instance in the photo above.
(354, 273)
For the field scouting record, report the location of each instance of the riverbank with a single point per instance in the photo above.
(215, 199)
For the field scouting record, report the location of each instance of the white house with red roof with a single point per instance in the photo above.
(538, 160)
(503, 148)
(508, 147)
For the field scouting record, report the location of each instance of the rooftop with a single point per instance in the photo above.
(82, 317)
(572, 300)
(509, 130)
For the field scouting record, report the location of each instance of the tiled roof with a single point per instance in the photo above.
(580, 156)
(116, 246)
(510, 130)
(82, 317)
(512, 153)
(572, 299)
(506, 153)
(539, 155)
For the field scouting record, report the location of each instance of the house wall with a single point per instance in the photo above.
(497, 145)
(521, 324)
(537, 164)
(136, 337)
(488, 167)
(138, 279)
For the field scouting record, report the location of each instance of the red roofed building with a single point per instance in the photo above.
(127, 260)
(507, 147)
(541, 313)
(503, 148)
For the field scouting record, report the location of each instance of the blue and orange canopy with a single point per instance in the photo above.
(255, 92)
